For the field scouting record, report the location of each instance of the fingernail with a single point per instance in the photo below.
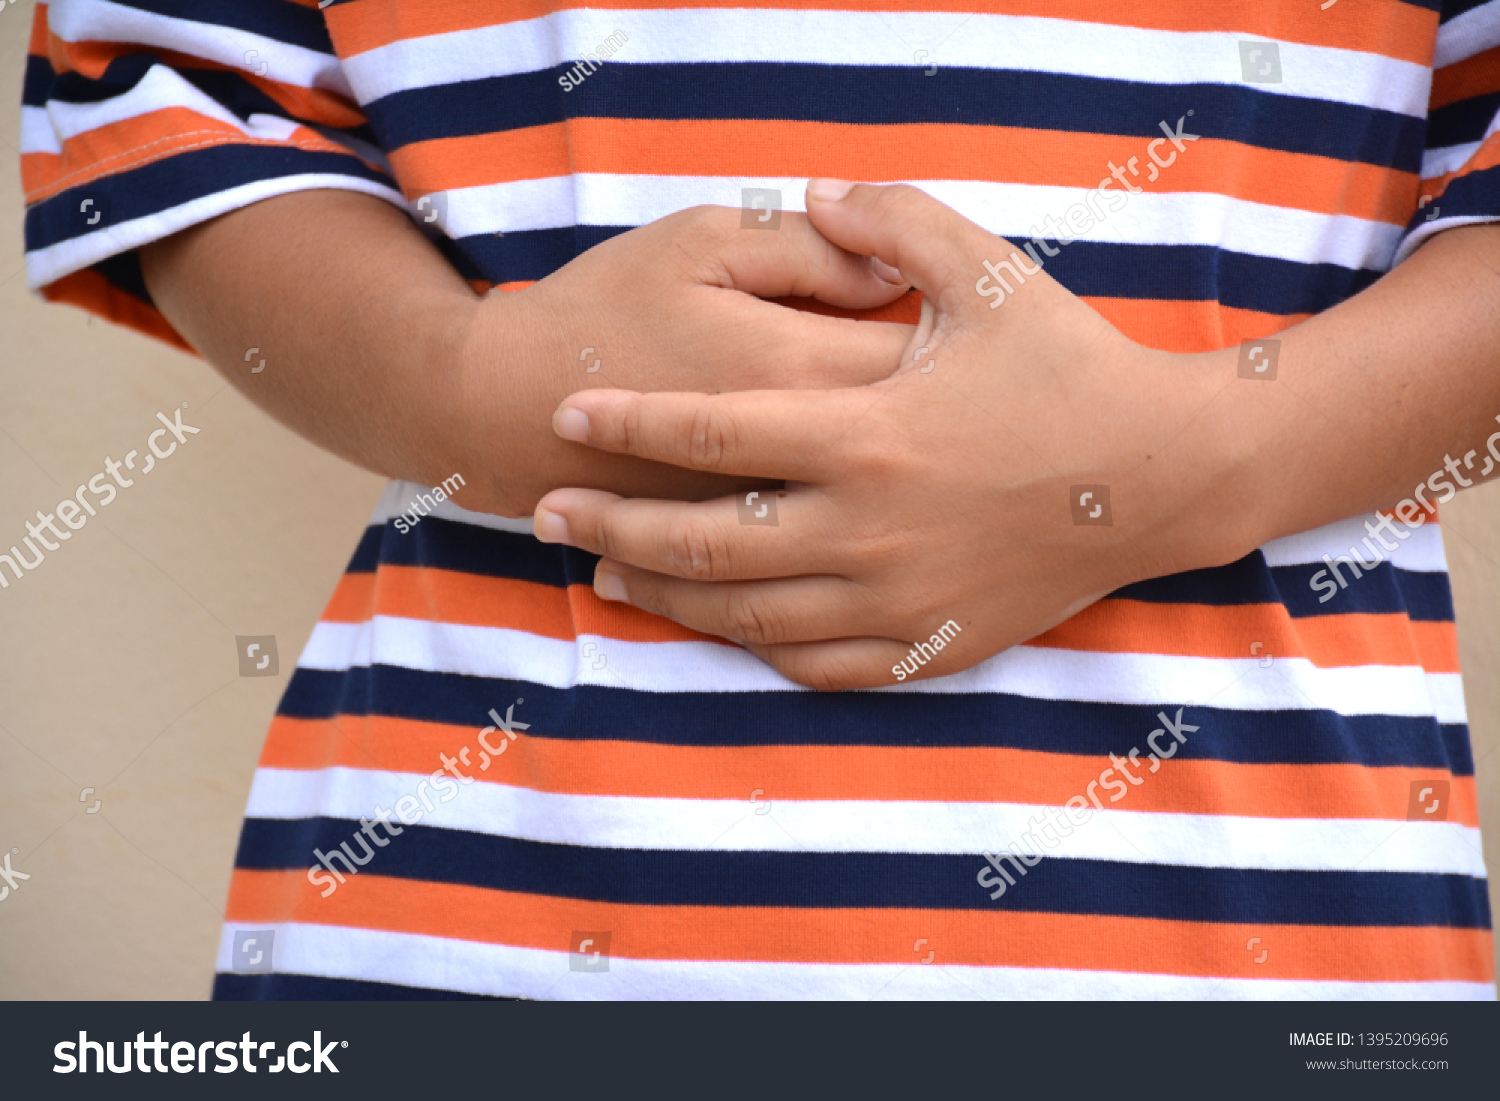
(571, 424)
(827, 190)
(609, 585)
(549, 527)
(886, 272)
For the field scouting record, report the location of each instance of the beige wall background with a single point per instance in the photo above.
(118, 667)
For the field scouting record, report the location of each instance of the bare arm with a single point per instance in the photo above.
(379, 351)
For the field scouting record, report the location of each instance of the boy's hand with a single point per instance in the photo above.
(952, 491)
(674, 305)
(381, 353)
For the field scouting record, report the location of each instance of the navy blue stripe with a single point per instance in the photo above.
(887, 95)
(179, 179)
(315, 988)
(1418, 594)
(468, 548)
(1381, 590)
(1452, 9)
(1473, 195)
(1105, 269)
(232, 90)
(120, 76)
(278, 19)
(1461, 122)
(367, 555)
(37, 83)
(588, 712)
(530, 255)
(879, 880)
(123, 273)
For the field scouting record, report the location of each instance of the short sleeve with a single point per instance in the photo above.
(141, 118)
(1461, 161)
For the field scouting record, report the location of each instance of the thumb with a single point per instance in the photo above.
(933, 246)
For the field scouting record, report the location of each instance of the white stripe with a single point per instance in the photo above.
(1440, 162)
(1473, 32)
(48, 265)
(37, 134)
(854, 825)
(1436, 226)
(1421, 550)
(1036, 672)
(400, 496)
(985, 41)
(102, 21)
(444, 963)
(1008, 209)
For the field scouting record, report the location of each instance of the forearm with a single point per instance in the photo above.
(1370, 399)
(360, 321)
(376, 349)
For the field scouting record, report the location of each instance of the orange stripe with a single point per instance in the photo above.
(868, 773)
(1232, 631)
(448, 596)
(1388, 27)
(883, 154)
(90, 291)
(1201, 326)
(1467, 79)
(980, 938)
(36, 46)
(132, 142)
(1110, 626)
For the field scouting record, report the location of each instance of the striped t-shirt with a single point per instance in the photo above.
(1249, 781)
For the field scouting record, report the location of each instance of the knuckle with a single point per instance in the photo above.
(628, 429)
(750, 619)
(697, 551)
(711, 437)
(704, 227)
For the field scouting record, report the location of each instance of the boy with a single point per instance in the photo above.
(486, 780)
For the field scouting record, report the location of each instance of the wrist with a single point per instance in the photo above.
(435, 420)
(1204, 481)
